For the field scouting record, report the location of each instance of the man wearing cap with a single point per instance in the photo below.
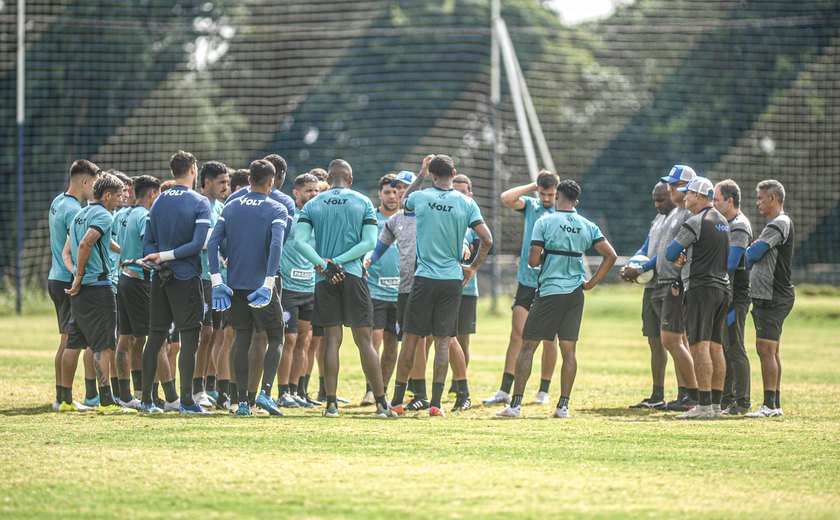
(704, 239)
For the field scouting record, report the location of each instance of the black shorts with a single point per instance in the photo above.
(705, 314)
(180, 301)
(296, 306)
(433, 307)
(524, 296)
(466, 315)
(243, 316)
(385, 316)
(173, 335)
(93, 318)
(317, 331)
(670, 307)
(650, 315)
(402, 304)
(555, 316)
(769, 317)
(61, 301)
(133, 306)
(346, 303)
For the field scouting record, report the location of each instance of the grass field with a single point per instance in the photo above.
(607, 461)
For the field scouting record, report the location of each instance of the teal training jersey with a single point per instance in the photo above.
(337, 217)
(131, 225)
(470, 240)
(113, 257)
(565, 236)
(443, 217)
(295, 270)
(532, 211)
(97, 217)
(384, 275)
(215, 211)
(62, 210)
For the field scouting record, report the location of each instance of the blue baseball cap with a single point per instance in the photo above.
(405, 177)
(680, 172)
(700, 185)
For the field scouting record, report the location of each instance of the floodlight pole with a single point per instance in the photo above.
(21, 120)
(496, 123)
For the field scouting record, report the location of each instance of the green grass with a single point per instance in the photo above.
(607, 461)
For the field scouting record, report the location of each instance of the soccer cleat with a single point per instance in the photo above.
(303, 403)
(717, 412)
(80, 407)
(92, 401)
(650, 403)
(322, 397)
(223, 402)
(174, 406)
(779, 412)
(368, 399)
(681, 405)
(138, 394)
(383, 412)
(500, 397)
(114, 408)
(67, 407)
(331, 411)
(243, 410)
(213, 395)
(202, 399)
(265, 402)
(342, 400)
(286, 401)
(149, 408)
(736, 409)
(698, 412)
(434, 411)
(313, 402)
(417, 404)
(453, 392)
(259, 411)
(510, 412)
(160, 403)
(133, 404)
(462, 404)
(561, 412)
(542, 398)
(762, 411)
(56, 405)
(398, 410)
(193, 409)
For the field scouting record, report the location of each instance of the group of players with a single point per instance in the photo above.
(222, 279)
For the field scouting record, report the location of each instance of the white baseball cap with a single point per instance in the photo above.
(700, 185)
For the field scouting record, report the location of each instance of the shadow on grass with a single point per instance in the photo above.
(627, 413)
(42, 409)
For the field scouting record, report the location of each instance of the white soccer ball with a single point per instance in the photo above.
(638, 261)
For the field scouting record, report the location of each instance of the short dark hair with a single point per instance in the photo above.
(211, 170)
(462, 179)
(105, 183)
(144, 184)
(729, 189)
(547, 179)
(319, 173)
(570, 189)
(279, 167)
(773, 186)
(304, 178)
(180, 163)
(442, 166)
(385, 180)
(261, 172)
(84, 167)
(126, 180)
(238, 179)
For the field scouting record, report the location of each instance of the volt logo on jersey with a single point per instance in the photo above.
(335, 202)
(440, 207)
(250, 202)
(173, 193)
(570, 229)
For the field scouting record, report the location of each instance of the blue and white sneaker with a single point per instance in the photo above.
(243, 410)
(149, 408)
(92, 402)
(193, 409)
(286, 401)
(302, 402)
(213, 395)
(265, 402)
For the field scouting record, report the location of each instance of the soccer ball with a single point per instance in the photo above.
(638, 261)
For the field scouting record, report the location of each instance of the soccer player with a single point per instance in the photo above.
(650, 315)
(736, 386)
(558, 243)
(93, 307)
(298, 301)
(316, 345)
(64, 207)
(344, 223)
(133, 287)
(176, 231)
(383, 283)
(443, 216)
(531, 209)
(253, 225)
(770, 258)
(238, 180)
(705, 239)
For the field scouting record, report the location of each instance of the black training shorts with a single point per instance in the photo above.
(61, 301)
(433, 307)
(181, 301)
(385, 316)
(133, 306)
(650, 315)
(346, 303)
(769, 317)
(670, 307)
(555, 316)
(93, 318)
(296, 306)
(243, 316)
(466, 315)
(705, 314)
(524, 296)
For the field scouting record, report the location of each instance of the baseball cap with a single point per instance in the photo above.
(680, 172)
(700, 185)
(404, 176)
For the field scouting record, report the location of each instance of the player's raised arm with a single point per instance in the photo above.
(418, 182)
(512, 198)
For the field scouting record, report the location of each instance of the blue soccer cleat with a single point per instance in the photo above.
(265, 402)
(243, 410)
(93, 401)
(193, 409)
(150, 408)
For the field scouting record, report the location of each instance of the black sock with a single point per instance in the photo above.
(322, 385)
(778, 399)
(125, 390)
(66, 394)
(210, 384)
(303, 383)
(252, 398)
(115, 386)
(234, 392)
(198, 385)
(399, 393)
(381, 401)
(331, 399)
(705, 398)
(282, 389)
(90, 388)
(770, 399)
(410, 385)
(293, 389)
(420, 389)
(544, 385)
(367, 387)
(717, 396)
(693, 394)
(462, 388)
(507, 382)
(137, 380)
(267, 389)
(437, 393)
(155, 391)
(105, 396)
(169, 391)
(658, 393)
(58, 393)
(224, 386)
(515, 401)
(564, 401)
(681, 392)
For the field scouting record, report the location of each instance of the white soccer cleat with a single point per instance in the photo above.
(202, 399)
(779, 412)
(561, 412)
(174, 406)
(368, 399)
(698, 412)
(500, 397)
(717, 412)
(134, 404)
(56, 405)
(542, 398)
(510, 412)
(762, 411)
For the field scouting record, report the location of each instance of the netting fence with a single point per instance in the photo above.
(741, 90)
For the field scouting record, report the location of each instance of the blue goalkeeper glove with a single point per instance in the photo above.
(262, 296)
(221, 293)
